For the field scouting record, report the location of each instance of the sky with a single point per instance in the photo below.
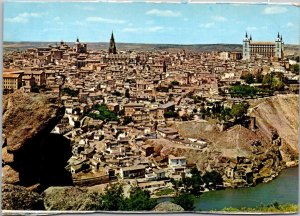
(149, 22)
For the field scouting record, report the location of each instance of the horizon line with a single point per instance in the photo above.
(183, 44)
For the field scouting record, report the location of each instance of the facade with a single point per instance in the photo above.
(133, 172)
(266, 49)
(39, 77)
(11, 82)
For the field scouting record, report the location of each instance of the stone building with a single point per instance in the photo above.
(266, 49)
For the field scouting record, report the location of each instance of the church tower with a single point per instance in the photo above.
(246, 47)
(112, 45)
(279, 46)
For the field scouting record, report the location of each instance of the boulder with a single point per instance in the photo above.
(10, 176)
(16, 197)
(168, 207)
(71, 198)
(7, 158)
(35, 155)
(27, 115)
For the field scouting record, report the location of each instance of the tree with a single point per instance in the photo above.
(70, 92)
(103, 113)
(138, 200)
(239, 110)
(249, 78)
(225, 114)
(127, 120)
(212, 178)
(259, 77)
(267, 80)
(175, 83)
(116, 93)
(243, 91)
(196, 181)
(186, 201)
(171, 114)
(127, 93)
(112, 199)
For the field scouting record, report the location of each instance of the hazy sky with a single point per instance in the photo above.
(149, 22)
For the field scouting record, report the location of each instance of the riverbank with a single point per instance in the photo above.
(282, 189)
(272, 208)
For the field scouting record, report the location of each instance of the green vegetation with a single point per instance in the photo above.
(165, 191)
(113, 199)
(102, 113)
(171, 114)
(248, 91)
(295, 68)
(127, 93)
(243, 91)
(186, 201)
(70, 92)
(117, 93)
(249, 78)
(239, 110)
(138, 200)
(212, 179)
(194, 184)
(275, 81)
(127, 120)
(175, 83)
(274, 207)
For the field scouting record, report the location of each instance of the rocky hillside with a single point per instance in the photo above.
(281, 113)
(31, 155)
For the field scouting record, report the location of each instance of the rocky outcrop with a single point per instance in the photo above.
(70, 198)
(281, 113)
(19, 198)
(31, 154)
(28, 115)
(168, 207)
(10, 176)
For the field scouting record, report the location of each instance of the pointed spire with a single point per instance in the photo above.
(250, 37)
(246, 35)
(278, 35)
(77, 40)
(281, 37)
(112, 45)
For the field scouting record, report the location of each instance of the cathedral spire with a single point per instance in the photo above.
(112, 45)
(246, 35)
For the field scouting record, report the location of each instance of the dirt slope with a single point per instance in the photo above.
(281, 113)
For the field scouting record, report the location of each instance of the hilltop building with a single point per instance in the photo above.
(115, 58)
(80, 47)
(266, 49)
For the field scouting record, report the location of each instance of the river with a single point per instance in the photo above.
(283, 189)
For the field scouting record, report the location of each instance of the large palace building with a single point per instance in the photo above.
(266, 49)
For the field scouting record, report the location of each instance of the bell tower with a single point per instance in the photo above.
(246, 47)
(279, 46)
(112, 45)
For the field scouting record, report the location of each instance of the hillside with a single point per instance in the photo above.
(281, 113)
